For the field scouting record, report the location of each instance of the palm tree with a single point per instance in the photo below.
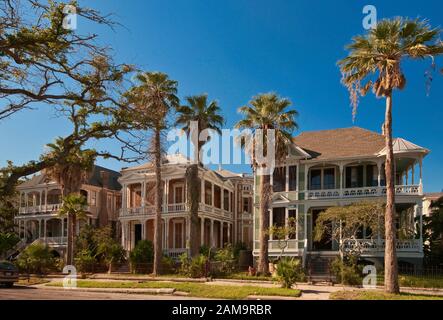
(268, 111)
(374, 61)
(74, 208)
(153, 98)
(70, 174)
(207, 116)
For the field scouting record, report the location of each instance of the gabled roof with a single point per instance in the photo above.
(94, 179)
(340, 143)
(404, 146)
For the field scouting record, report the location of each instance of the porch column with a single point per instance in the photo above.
(40, 228)
(341, 178)
(202, 231)
(421, 175)
(287, 178)
(221, 234)
(229, 233)
(413, 174)
(271, 218)
(213, 196)
(212, 234)
(202, 191)
(46, 197)
(123, 224)
(306, 177)
(167, 233)
(44, 229)
(167, 195)
(143, 229)
(63, 226)
(143, 185)
(40, 200)
(420, 212)
(188, 233)
(286, 218)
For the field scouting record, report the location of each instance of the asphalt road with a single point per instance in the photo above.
(31, 293)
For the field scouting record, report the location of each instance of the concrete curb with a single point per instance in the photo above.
(114, 290)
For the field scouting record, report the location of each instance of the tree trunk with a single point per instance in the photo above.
(391, 267)
(193, 195)
(263, 262)
(69, 251)
(158, 205)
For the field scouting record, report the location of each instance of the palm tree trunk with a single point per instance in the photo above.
(391, 267)
(263, 262)
(69, 251)
(193, 193)
(158, 205)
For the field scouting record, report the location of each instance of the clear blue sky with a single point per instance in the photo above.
(234, 49)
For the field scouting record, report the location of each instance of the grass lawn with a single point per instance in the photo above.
(417, 282)
(379, 295)
(245, 276)
(194, 289)
(31, 281)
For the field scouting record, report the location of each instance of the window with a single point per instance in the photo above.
(293, 214)
(315, 181)
(278, 217)
(178, 235)
(246, 204)
(217, 196)
(371, 176)
(292, 178)
(279, 179)
(354, 177)
(109, 201)
(208, 193)
(226, 200)
(118, 201)
(178, 194)
(329, 178)
(93, 198)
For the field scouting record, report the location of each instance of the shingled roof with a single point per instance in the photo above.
(340, 143)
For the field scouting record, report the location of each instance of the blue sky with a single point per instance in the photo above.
(234, 49)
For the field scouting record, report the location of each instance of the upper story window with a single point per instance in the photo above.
(179, 193)
(118, 201)
(226, 200)
(354, 177)
(109, 201)
(371, 176)
(315, 181)
(208, 193)
(93, 200)
(292, 178)
(279, 179)
(246, 205)
(329, 178)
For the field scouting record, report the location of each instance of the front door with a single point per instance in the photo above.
(325, 244)
(137, 233)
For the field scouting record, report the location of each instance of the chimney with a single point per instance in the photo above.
(104, 175)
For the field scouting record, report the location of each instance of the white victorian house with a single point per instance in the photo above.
(41, 199)
(225, 206)
(338, 167)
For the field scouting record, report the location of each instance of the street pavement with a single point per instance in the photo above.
(34, 293)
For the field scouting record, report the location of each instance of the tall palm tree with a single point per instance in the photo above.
(74, 208)
(207, 116)
(264, 112)
(70, 174)
(374, 61)
(153, 98)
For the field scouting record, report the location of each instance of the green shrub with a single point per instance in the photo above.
(225, 261)
(168, 265)
(84, 261)
(36, 258)
(193, 268)
(347, 271)
(142, 253)
(239, 246)
(289, 271)
(7, 241)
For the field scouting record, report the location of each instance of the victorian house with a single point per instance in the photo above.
(41, 198)
(338, 167)
(225, 206)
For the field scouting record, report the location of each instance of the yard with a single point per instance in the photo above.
(378, 295)
(193, 289)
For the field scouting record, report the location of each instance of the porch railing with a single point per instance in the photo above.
(40, 209)
(369, 245)
(361, 192)
(174, 253)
